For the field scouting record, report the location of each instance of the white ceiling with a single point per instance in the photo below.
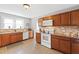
(36, 10)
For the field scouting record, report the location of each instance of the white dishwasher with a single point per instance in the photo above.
(25, 35)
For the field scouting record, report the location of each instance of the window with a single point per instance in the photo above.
(20, 24)
(12, 24)
(8, 23)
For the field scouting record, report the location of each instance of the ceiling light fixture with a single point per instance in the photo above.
(26, 6)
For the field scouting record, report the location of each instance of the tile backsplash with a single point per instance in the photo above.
(71, 31)
(67, 29)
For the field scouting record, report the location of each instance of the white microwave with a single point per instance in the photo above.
(48, 23)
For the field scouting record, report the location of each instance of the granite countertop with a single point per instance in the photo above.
(8, 32)
(13, 31)
(67, 35)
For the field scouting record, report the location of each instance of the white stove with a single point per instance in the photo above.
(46, 39)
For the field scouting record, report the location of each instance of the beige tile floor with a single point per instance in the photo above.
(27, 47)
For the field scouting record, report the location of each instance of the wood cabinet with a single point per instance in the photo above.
(31, 34)
(13, 38)
(40, 22)
(75, 46)
(19, 37)
(38, 37)
(65, 19)
(56, 20)
(61, 43)
(65, 45)
(55, 42)
(47, 18)
(0, 39)
(70, 18)
(75, 18)
(5, 39)
(9, 38)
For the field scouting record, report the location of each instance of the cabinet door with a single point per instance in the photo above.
(19, 37)
(64, 46)
(75, 46)
(38, 37)
(40, 22)
(5, 39)
(55, 43)
(0, 39)
(56, 20)
(30, 34)
(75, 18)
(65, 19)
(13, 38)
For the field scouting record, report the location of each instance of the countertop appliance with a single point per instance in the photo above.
(46, 39)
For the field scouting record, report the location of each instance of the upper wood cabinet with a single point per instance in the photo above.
(0, 39)
(65, 19)
(56, 20)
(40, 22)
(75, 18)
(46, 17)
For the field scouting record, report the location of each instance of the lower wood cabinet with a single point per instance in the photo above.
(75, 46)
(5, 39)
(61, 43)
(65, 45)
(55, 42)
(19, 37)
(38, 37)
(0, 39)
(15, 37)
(31, 34)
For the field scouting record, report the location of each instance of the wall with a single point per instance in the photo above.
(34, 24)
(27, 21)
